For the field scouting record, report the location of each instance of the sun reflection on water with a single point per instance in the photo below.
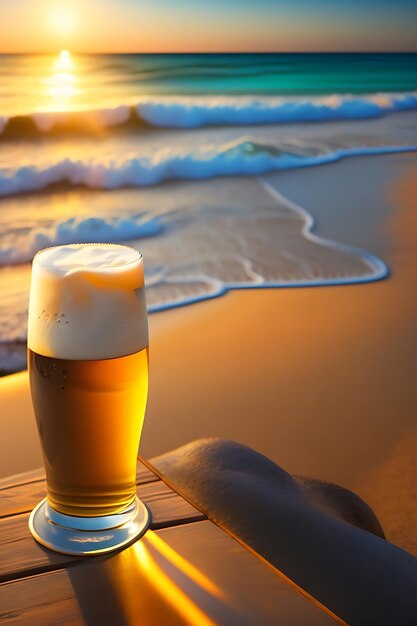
(64, 61)
(61, 84)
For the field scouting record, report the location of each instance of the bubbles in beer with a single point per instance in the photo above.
(90, 434)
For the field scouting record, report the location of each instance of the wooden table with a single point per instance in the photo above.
(184, 571)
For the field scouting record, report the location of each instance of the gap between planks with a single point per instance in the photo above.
(23, 496)
(21, 554)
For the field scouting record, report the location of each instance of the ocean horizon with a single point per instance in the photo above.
(168, 153)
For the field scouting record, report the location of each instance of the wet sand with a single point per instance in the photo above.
(321, 380)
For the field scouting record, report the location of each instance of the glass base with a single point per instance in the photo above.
(87, 536)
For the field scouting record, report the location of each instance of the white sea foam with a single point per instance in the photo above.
(231, 235)
(196, 111)
(246, 155)
(87, 302)
(77, 230)
(209, 110)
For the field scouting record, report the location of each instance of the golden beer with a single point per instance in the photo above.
(89, 416)
(88, 370)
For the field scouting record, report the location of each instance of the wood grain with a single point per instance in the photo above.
(188, 575)
(23, 556)
(19, 494)
(22, 479)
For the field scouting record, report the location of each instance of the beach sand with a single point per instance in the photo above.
(321, 380)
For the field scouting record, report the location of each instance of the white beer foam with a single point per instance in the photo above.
(87, 301)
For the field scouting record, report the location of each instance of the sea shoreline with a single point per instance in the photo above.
(319, 380)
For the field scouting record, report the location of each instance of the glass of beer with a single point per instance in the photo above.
(88, 370)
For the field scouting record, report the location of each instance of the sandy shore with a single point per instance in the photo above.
(321, 380)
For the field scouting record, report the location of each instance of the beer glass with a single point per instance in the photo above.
(88, 370)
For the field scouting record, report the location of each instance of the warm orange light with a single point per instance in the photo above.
(190, 613)
(184, 566)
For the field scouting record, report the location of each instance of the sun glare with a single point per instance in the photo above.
(61, 84)
(64, 61)
(62, 19)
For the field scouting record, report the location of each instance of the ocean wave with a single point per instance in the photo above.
(78, 230)
(198, 111)
(244, 156)
(237, 234)
(89, 121)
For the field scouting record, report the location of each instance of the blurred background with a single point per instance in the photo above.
(262, 157)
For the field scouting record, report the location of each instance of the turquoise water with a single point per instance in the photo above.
(167, 153)
(273, 74)
(30, 83)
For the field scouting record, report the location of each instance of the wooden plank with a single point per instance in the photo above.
(22, 496)
(168, 508)
(144, 475)
(188, 575)
(21, 499)
(22, 555)
(23, 478)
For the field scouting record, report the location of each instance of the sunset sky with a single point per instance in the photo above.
(207, 26)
